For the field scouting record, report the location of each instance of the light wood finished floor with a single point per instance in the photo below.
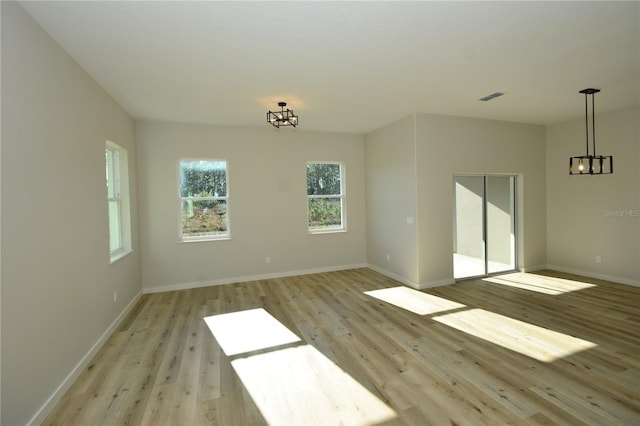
(544, 348)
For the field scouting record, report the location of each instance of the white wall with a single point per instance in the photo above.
(468, 223)
(410, 169)
(589, 216)
(448, 145)
(58, 285)
(57, 282)
(267, 204)
(391, 198)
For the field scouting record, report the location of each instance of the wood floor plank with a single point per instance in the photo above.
(163, 366)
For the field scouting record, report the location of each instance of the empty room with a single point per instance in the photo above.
(320, 213)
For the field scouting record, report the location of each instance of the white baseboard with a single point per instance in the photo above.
(439, 283)
(621, 280)
(198, 284)
(533, 268)
(233, 280)
(55, 397)
(409, 283)
(448, 281)
(394, 276)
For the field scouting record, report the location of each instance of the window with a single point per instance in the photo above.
(203, 200)
(118, 201)
(325, 197)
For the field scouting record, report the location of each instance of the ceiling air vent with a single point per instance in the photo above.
(491, 96)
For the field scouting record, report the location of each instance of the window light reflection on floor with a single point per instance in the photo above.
(250, 330)
(539, 283)
(300, 386)
(414, 301)
(292, 385)
(528, 339)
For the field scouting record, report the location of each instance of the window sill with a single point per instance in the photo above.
(119, 255)
(326, 231)
(203, 239)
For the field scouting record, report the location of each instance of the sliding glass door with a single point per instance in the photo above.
(500, 223)
(484, 225)
(468, 232)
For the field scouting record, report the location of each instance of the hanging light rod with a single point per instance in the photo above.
(282, 117)
(491, 96)
(590, 164)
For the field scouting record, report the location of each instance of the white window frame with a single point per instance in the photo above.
(181, 199)
(120, 196)
(342, 196)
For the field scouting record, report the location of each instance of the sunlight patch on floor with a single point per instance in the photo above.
(528, 339)
(299, 385)
(292, 385)
(246, 331)
(539, 283)
(413, 300)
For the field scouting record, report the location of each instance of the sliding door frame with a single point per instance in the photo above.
(515, 215)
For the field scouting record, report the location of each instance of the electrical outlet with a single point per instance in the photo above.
(267, 259)
(598, 259)
(115, 296)
(388, 257)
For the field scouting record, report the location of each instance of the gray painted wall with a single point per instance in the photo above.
(267, 203)
(591, 216)
(57, 281)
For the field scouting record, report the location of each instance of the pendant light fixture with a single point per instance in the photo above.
(590, 164)
(282, 117)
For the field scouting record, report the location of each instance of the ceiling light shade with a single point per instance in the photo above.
(590, 164)
(284, 117)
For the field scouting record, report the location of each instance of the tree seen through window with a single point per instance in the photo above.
(203, 198)
(325, 196)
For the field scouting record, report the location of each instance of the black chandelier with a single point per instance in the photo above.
(284, 117)
(590, 164)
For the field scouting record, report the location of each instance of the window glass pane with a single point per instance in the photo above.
(500, 223)
(468, 241)
(202, 218)
(203, 178)
(115, 241)
(325, 213)
(484, 225)
(110, 157)
(117, 182)
(323, 179)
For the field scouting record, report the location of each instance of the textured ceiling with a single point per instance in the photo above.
(352, 66)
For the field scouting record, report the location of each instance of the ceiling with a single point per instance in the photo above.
(352, 66)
